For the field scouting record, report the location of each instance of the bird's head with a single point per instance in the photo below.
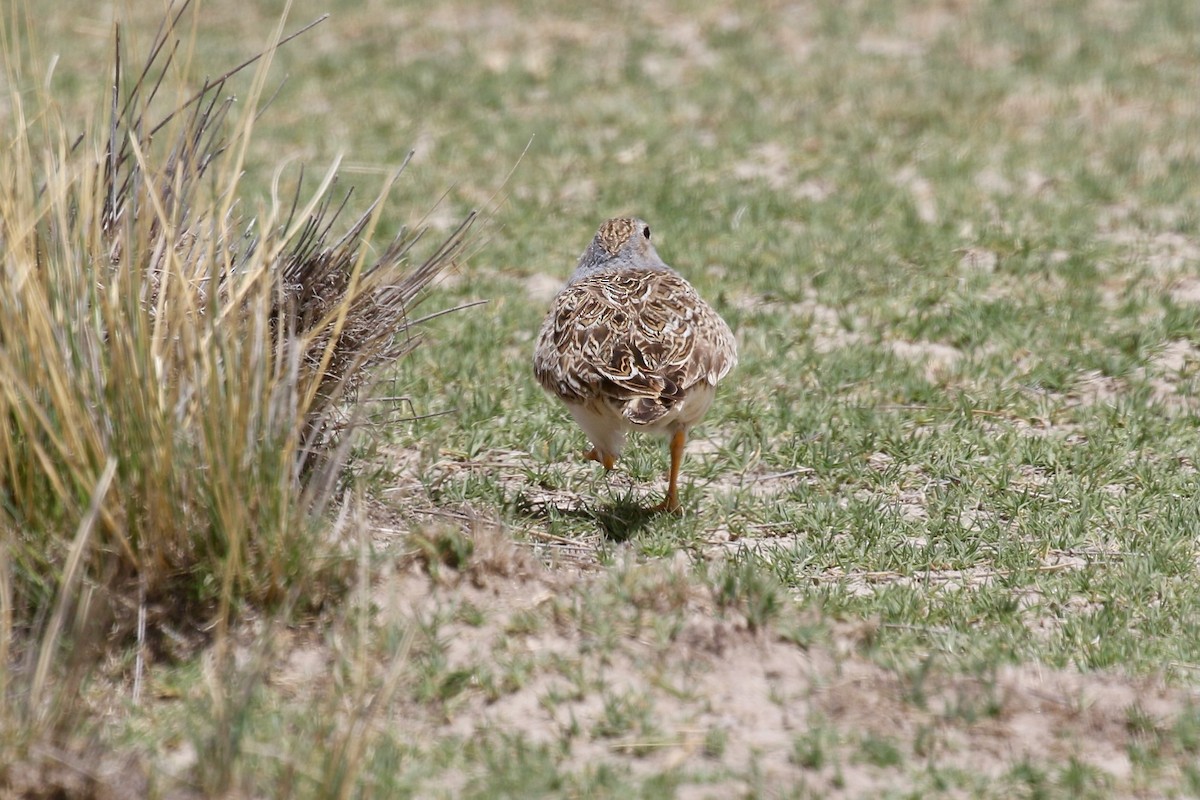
(620, 242)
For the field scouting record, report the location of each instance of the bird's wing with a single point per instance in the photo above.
(642, 338)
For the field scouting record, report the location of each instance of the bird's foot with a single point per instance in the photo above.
(670, 505)
(608, 460)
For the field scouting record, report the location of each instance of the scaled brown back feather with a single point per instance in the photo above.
(641, 338)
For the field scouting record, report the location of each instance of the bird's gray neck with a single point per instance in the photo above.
(596, 259)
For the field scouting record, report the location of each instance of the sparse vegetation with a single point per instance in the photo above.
(181, 372)
(940, 538)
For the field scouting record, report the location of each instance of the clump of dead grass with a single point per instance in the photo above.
(181, 366)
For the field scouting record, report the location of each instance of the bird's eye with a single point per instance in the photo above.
(646, 231)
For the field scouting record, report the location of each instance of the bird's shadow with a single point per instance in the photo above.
(619, 520)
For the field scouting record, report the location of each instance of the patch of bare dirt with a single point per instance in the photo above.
(52, 773)
(696, 690)
(1144, 236)
(1171, 374)
(1186, 291)
(828, 328)
(1095, 388)
(771, 165)
(978, 259)
(921, 193)
(1168, 376)
(541, 288)
(938, 359)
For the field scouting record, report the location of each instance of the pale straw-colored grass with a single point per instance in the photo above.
(181, 364)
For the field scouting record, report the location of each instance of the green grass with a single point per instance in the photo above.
(958, 246)
(1037, 141)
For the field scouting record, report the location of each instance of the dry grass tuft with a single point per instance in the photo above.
(179, 374)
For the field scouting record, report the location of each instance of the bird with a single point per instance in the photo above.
(629, 346)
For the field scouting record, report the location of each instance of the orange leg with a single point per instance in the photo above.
(607, 460)
(678, 440)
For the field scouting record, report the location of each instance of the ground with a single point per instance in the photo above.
(939, 536)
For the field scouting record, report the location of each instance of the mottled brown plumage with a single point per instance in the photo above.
(630, 345)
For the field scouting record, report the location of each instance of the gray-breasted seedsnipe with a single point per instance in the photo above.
(629, 345)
